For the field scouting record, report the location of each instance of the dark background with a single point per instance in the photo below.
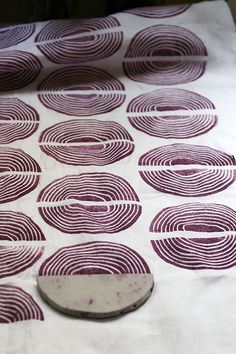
(20, 11)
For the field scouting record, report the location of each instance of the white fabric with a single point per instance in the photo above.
(189, 311)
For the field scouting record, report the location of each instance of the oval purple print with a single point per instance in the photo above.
(198, 253)
(97, 257)
(13, 35)
(19, 174)
(17, 305)
(85, 142)
(195, 217)
(195, 182)
(16, 226)
(17, 69)
(16, 259)
(89, 203)
(17, 120)
(81, 91)
(154, 54)
(159, 11)
(77, 41)
(157, 113)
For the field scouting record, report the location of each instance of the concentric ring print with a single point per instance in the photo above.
(211, 173)
(19, 174)
(78, 41)
(89, 203)
(215, 251)
(198, 253)
(96, 257)
(17, 305)
(18, 69)
(13, 35)
(86, 142)
(17, 227)
(159, 11)
(18, 120)
(165, 55)
(81, 91)
(16, 259)
(172, 113)
(195, 217)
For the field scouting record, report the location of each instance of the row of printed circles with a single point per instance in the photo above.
(165, 113)
(112, 258)
(164, 169)
(154, 56)
(112, 137)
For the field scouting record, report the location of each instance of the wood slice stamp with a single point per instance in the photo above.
(95, 280)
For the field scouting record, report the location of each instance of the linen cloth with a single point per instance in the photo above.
(192, 308)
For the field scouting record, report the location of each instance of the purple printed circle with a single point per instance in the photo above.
(17, 69)
(216, 253)
(17, 305)
(17, 226)
(17, 120)
(89, 203)
(159, 11)
(19, 174)
(193, 182)
(81, 91)
(13, 35)
(86, 142)
(16, 259)
(165, 55)
(97, 257)
(157, 114)
(80, 41)
(194, 217)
